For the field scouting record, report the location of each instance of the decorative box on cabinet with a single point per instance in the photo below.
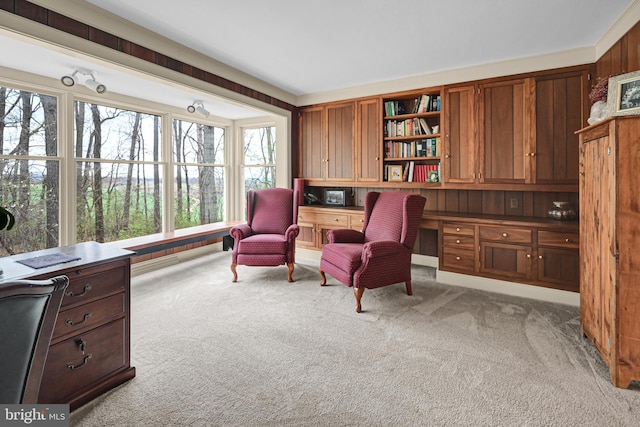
(609, 241)
(89, 352)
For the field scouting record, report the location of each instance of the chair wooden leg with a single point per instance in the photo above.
(358, 293)
(409, 291)
(233, 269)
(324, 279)
(290, 266)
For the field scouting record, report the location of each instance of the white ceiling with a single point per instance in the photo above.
(314, 46)
(309, 47)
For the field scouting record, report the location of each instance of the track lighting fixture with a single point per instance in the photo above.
(198, 107)
(90, 82)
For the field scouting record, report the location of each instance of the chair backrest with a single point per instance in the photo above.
(392, 215)
(28, 313)
(271, 210)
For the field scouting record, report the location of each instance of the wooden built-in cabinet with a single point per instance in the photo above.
(327, 142)
(610, 237)
(459, 163)
(89, 351)
(539, 252)
(314, 222)
(368, 141)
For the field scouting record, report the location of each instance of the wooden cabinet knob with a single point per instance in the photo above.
(504, 234)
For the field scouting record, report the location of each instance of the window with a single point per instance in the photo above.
(118, 173)
(29, 169)
(259, 157)
(198, 155)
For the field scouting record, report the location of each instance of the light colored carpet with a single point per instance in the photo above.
(265, 352)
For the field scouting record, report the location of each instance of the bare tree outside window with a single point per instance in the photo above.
(259, 157)
(118, 170)
(29, 170)
(198, 153)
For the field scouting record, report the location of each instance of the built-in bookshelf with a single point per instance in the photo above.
(412, 141)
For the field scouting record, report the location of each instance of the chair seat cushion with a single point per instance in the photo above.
(263, 244)
(345, 256)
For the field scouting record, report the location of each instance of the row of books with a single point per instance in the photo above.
(422, 104)
(412, 172)
(428, 147)
(408, 127)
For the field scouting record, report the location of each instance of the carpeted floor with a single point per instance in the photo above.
(265, 352)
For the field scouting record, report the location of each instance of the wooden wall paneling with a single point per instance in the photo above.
(633, 48)
(493, 202)
(452, 201)
(528, 203)
(475, 202)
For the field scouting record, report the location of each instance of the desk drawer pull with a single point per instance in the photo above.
(84, 319)
(84, 362)
(504, 234)
(86, 289)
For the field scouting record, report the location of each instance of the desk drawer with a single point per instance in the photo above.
(505, 234)
(458, 229)
(87, 287)
(458, 259)
(333, 219)
(559, 239)
(69, 369)
(466, 242)
(89, 315)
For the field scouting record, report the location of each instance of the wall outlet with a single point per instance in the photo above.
(513, 203)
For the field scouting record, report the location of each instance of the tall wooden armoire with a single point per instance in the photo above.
(610, 243)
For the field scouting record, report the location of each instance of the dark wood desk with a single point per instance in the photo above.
(90, 347)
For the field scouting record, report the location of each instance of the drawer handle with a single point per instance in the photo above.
(336, 220)
(567, 240)
(84, 319)
(85, 360)
(457, 228)
(458, 241)
(86, 289)
(528, 255)
(504, 234)
(457, 258)
(540, 256)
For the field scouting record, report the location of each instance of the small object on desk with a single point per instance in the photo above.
(562, 211)
(47, 260)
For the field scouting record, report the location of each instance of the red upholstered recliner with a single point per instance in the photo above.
(380, 255)
(268, 238)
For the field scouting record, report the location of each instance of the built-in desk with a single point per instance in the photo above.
(90, 347)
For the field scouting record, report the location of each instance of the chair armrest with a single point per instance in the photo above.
(345, 235)
(240, 231)
(292, 232)
(382, 248)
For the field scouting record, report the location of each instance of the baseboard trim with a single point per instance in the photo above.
(476, 282)
(508, 288)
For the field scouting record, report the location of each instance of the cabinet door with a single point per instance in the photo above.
(460, 149)
(504, 131)
(505, 260)
(597, 220)
(340, 142)
(312, 143)
(369, 140)
(560, 267)
(307, 235)
(559, 113)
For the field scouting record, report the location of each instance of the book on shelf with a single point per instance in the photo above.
(424, 126)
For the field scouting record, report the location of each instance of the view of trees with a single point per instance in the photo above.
(118, 170)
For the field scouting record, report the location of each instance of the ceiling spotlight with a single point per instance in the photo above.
(90, 82)
(198, 107)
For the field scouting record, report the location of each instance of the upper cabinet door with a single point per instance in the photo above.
(559, 114)
(340, 142)
(369, 140)
(459, 161)
(312, 143)
(505, 128)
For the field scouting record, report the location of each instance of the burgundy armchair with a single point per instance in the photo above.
(380, 255)
(268, 238)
